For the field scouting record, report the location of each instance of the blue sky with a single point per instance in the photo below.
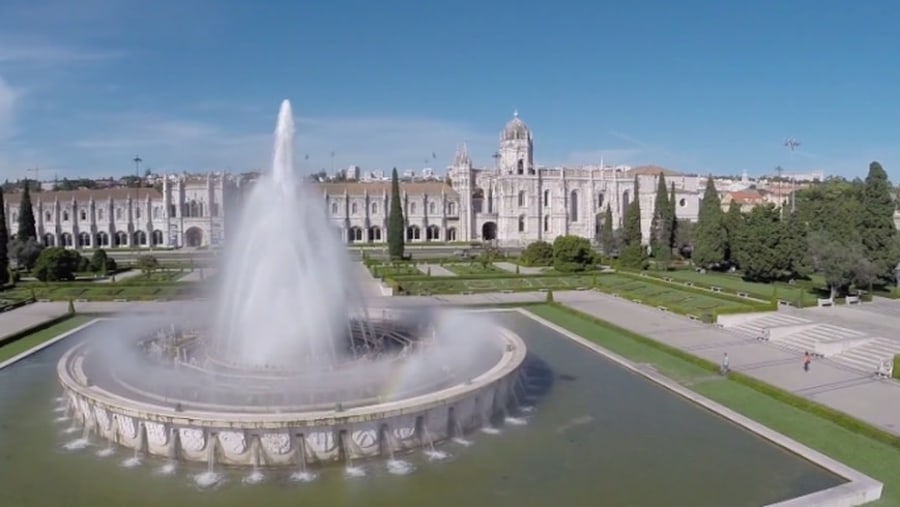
(698, 86)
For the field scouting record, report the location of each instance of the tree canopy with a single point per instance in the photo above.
(396, 224)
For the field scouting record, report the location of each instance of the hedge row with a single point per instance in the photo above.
(725, 296)
(896, 373)
(842, 419)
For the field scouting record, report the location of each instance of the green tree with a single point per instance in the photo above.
(25, 252)
(56, 264)
(538, 253)
(607, 234)
(147, 264)
(572, 253)
(632, 254)
(835, 260)
(876, 223)
(794, 247)
(101, 263)
(684, 237)
(673, 215)
(661, 225)
(709, 242)
(733, 222)
(759, 254)
(396, 225)
(27, 228)
(4, 243)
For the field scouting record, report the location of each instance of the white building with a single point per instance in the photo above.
(190, 211)
(513, 203)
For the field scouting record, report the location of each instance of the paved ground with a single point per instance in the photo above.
(29, 315)
(195, 276)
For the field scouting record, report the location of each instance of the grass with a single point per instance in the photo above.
(394, 270)
(17, 347)
(450, 285)
(656, 294)
(734, 283)
(102, 292)
(473, 268)
(872, 457)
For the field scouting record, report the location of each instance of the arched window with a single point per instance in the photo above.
(84, 240)
(413, 233)
(374, 208)
(600, 200)
(521, 223)
(432, 208)
(451, 208)
(520, 166)
(48, 217)
(374, 233)
(521, 198)
(573, 206)
(432, 233)
(157, 237)
(65, 215)
(102, 239)
(451, 234)
(546, 223)
(353, 210)
(546, 198)
(334, 208)
(83, 214)
(625, 201)
(356, 234)
(412, 208)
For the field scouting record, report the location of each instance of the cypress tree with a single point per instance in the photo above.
(4, 241)
(673, 216)
(709, 241)
(27, 229)
(632, 249)
(660, 227)
(396, 227)
(876, 224)
(607, 236)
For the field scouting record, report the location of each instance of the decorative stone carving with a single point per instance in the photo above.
(365, 439)
(233, 442)
(320, 442)
(102, 417)
(126, 426)
(276, 443)
(85, 409)
(404, 432)
(156, 433)
(192, 439)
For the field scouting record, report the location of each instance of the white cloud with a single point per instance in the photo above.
(176, 144)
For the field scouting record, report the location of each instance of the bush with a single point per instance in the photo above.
(571, 254)
(56, 264)
(539, 253)
(101, 263)
(549, 296)
(896, 373)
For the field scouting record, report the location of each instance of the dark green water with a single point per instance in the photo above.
(600, 437)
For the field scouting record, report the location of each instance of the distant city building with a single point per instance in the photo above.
(513, 203)
(189, 211)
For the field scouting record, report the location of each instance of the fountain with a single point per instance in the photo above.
(291, 369)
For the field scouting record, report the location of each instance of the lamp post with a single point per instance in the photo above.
(792, 144)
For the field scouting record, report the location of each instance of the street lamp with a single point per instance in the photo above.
(792, 144)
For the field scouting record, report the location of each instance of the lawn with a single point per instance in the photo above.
(449, 285)
(877, 459)
(64, 291)
(734, 283)
(393, 270)
(659, 294)
(473, 268)
(17, 347)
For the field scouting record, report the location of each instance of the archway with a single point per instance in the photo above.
(193, 237)
(489, 231)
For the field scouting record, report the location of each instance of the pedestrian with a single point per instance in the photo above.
(806, 360)
(726, 365)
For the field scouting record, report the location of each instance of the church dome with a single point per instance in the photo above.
(516, 129)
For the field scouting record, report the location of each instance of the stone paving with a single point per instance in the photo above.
(29, 315)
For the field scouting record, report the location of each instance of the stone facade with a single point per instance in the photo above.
(514, 203)
(190, 211)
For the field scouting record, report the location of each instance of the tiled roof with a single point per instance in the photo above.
(644, 170)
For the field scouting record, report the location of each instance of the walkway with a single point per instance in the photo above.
(523, 270)
(862, 395)
(28, 316)
(434, 270)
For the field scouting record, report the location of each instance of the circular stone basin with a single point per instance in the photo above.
(223, 413)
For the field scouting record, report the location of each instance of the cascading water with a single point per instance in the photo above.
(286, 291)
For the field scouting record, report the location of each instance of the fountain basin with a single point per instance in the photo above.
(266, 436)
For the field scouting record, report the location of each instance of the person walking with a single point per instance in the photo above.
(726, 365)
(806, 360)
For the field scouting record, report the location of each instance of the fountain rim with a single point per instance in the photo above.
(73, 380)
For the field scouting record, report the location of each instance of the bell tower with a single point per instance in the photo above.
(516, 154)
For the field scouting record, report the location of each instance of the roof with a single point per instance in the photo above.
(377, 187)
(515, 129)
(97, 194)
(745, 196)
(654, 170)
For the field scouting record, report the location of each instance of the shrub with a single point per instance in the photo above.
(539, 253)
(57, 263)
(896, 373)
(549, 296)
(572, 253)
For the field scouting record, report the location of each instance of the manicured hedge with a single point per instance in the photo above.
(896, 373)
(837, 417)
